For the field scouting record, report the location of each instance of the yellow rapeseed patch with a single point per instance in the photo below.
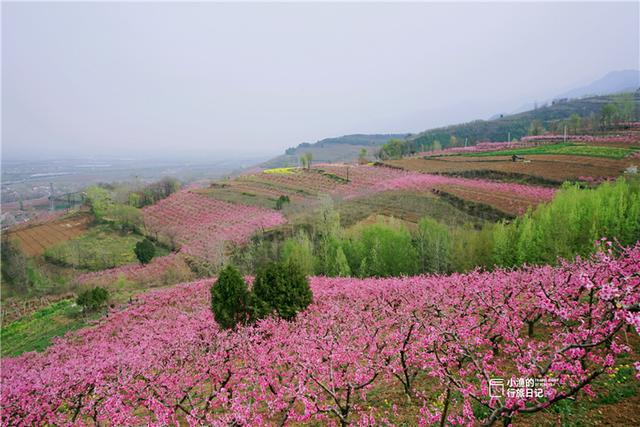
(280, 171)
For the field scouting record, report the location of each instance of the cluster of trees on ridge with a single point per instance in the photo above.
(566, 227)
(592, 114)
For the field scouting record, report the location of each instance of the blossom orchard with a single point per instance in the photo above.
(625, 139)
(199, 224)
(439, 340)
(427, 181)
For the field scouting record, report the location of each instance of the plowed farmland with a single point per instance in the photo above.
(34, 239)
(509, 203)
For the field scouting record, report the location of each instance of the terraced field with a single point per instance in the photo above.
(410, 206)
(553, 168)
(362, 184)
(509, 203)
(301, 182)
(35, 238)
(571, 149)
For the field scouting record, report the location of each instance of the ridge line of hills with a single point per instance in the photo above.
(348, 147)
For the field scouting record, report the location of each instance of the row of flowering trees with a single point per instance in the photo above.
(607, 139)
(428, 181)
(153, 271)
(439, 341)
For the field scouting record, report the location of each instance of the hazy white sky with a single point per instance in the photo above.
(212, 79)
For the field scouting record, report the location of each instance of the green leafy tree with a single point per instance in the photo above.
(230, 299)
(154, 192)
(570, 224)
(332, 259)
(608, 115)
(394, 149)
(434, 246)
(135, 199)
(126, 217)
(535, 128)
(306, 159)
(574, 123)
(625, 107)
(340, 266)
(92, 300)
(471, 248)
(299, 250)
(14, 266)
(362, 157)
(145, 250)
(281, 289)
(383, 249)
(99, 200)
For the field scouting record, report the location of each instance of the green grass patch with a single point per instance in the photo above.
(569, 148)
(99, 248)
(34, 332)
(619, 385)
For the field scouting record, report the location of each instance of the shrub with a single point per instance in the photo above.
(93, 299)
(281, 289)
(145, 251)
(230, 299)
(281, 201)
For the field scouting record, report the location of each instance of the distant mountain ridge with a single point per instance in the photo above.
(613, 82)
(333, 150)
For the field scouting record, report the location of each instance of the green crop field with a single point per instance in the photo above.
(571, 149)
(34, 332)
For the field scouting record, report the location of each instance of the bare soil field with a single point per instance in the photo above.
(508, 203)
(558, 168)
(34, 239)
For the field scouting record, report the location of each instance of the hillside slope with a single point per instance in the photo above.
(515, 125)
